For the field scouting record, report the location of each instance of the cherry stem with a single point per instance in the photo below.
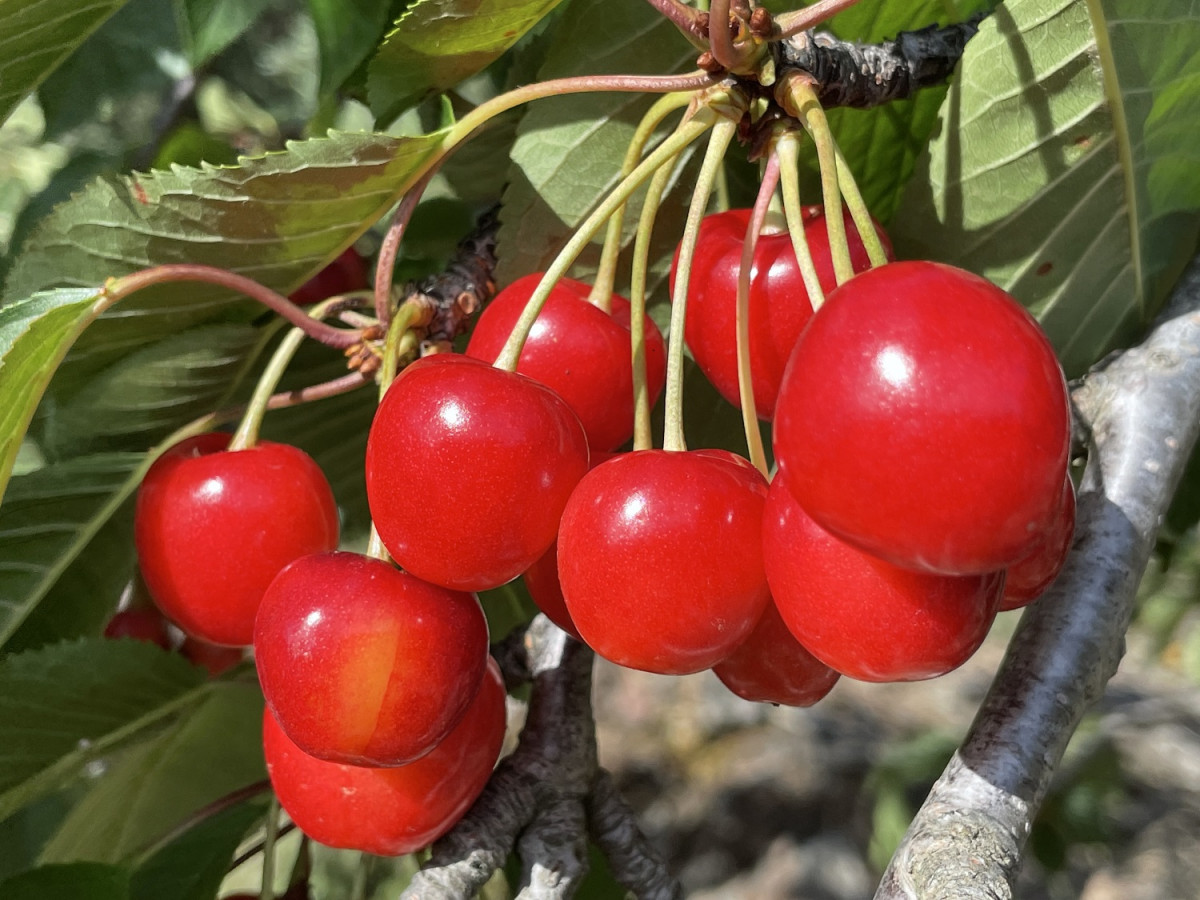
(230, 800)
(804, 19)
(723, 134)
(246, 435)
(802, 103)
(758, 216)
(687, 132)
(385, 265)
(643, 436)
(268, 863)
(853, 198)
(683, 17)
(720, 41)
(119, 288)
(606, 272)
(401, 341)
(787, 146)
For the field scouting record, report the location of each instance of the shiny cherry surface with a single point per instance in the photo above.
(579, 351)
(364, 664)
(1028, 578)
(660, 558)
(923, 417)
(865, 617)
(389, 811)
(468, 469)
(213, 527)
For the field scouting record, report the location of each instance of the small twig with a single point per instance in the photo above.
(632, 858)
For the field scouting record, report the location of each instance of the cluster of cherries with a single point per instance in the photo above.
(921, 434)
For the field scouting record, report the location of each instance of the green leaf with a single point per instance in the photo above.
(68, 882)
(193, 867)
(438, 43)
(1065, 169)
(49, 518)
(346, 33)
(569, 150)
(211, 751)
(63, 706)
(37, 35)
(215, 24)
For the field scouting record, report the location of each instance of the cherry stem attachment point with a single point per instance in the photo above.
(643, 436)
(809, 17)
(119, 288)
(602, 286)
(401, 341)
(758, 216)
(385, 265)
(853, 198)
(787, 147)
(722, 136)
(687, 132)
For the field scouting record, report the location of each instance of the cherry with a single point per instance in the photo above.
(779, 302)
(390, 811)
(660, 558)
(364, 664)
(579, 351)
(923, 417)
(771, 666)
(1028, 578)
(346, 273)
(216, 659)
(214, 526)
(468, 469)
(141, 623)
(541, 580)
(863, 616)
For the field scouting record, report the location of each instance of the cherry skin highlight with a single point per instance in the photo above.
(660, 558)
(468, 469)
(779, 302)
(213, 527)
(363, 664)
(923, 418)
(390, 811)
(771, 666)
(865, 617)
(579, 351)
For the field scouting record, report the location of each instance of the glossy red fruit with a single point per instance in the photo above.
(1028, 578)
(468, 469)
(212, 657)
(213, 527)
(579, 351)
(541, 580)
(660, 558)
(779, 303)
(923, 417)
(389, 811)
(364, 664)
(863, 616)
(141, 624)
(771, 666)
(348, 272)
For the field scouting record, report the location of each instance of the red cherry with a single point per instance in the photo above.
(213, 527)
(389, 811)
(141, 624)
(579, 351)
(660, 558)
(541, 580)
(779, 303)
(863, 616)
(364, 664)
(468, 470)
(923, 417)
(345, 274)
(214, 658)
(1028, 578)
(771, 666)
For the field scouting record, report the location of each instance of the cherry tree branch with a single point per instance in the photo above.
(1143, 411)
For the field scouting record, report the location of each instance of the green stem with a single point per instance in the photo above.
(268, 863)
(643, 437)
(758, 215)
(606, 272)
(854, 201)
(723, 133)
(683, 135)
(788, 149)
(396, 346)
